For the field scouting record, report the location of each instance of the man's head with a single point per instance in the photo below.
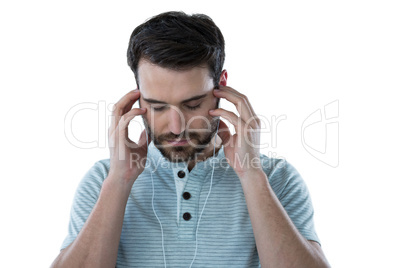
(177, 41)
(177, 60)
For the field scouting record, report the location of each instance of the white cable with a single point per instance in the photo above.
(199, 219)
(153, 208)
(206, 199)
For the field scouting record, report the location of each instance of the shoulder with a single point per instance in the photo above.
(95, 176)
(100, 168)
(282, 175)
(293, 194)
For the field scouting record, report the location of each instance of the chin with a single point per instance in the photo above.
(180, 153)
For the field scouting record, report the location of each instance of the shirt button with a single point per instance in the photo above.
(186, 195)
(181, 174)
(186, 216)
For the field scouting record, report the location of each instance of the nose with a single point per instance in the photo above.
(176, 121)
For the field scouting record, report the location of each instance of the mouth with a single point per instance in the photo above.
(177, 142)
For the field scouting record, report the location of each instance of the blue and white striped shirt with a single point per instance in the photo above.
(225, 236)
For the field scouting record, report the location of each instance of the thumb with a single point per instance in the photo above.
(143, 139)
(224, 133)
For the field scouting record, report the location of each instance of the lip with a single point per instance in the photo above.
(180, 142)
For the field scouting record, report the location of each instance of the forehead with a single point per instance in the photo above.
(170, 85)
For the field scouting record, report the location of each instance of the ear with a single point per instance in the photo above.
(224, 78)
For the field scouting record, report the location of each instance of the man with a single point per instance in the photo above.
(189, 193)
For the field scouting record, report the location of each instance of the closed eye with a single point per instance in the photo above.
(187, 106)
(158, 108)
(193, 107)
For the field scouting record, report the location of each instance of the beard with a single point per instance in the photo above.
(196, 142)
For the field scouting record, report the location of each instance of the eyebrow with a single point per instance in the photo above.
(183, 101)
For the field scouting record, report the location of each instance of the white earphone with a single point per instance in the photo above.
(206, 199)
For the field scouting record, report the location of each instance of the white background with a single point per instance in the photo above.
(289, 57)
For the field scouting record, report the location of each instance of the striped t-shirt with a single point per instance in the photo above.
(225, 236)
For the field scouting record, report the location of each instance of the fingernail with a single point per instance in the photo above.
(211, 111)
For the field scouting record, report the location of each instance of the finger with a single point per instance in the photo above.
(241, 102)
(125, 120)
(143, 139)
(234, 91)
(230, 116)
(123, 106)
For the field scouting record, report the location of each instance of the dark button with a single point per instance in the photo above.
(186, 195)
(181, 174)
(186, 216)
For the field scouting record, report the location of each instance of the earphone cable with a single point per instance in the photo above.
(153, 208)
(202, 211)
(206, 199)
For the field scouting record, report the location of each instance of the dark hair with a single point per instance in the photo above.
(178, 41)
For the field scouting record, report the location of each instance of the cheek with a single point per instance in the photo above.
(199, 121)
(158, 122)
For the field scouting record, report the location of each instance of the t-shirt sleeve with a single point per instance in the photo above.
(293, 194)
(85, 198)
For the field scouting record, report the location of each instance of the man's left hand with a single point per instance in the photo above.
(242, 148)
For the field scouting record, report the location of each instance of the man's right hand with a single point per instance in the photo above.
(127, 158)
(97, 243)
